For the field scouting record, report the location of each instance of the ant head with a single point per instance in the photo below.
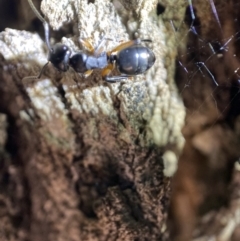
(78, 62)
(59, 57)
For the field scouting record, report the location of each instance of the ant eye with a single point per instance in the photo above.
(160, 9)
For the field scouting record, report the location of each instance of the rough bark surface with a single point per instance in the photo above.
(82, 159)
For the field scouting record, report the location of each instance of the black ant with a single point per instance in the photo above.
(130, 58)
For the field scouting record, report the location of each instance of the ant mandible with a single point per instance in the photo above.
(130, 58)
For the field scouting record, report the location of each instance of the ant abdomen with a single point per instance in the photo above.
(135, 60)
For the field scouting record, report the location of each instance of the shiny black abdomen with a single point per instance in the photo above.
(135, 60)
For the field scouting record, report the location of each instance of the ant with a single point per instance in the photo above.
(130, 58)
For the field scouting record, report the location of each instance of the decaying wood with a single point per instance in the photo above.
(82, 159)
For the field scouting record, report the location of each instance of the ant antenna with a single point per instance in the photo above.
(59, 54)
(45, 24)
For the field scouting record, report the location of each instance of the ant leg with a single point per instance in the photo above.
(86, 44)
(115, 79)
(101, 46)
(125, 45)
(87, 73)
(107, 71)
(146, 40)
(128, 44)
(95, 51)
(42, 70)
(25, 79)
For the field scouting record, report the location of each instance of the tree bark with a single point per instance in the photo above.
(82, 159)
